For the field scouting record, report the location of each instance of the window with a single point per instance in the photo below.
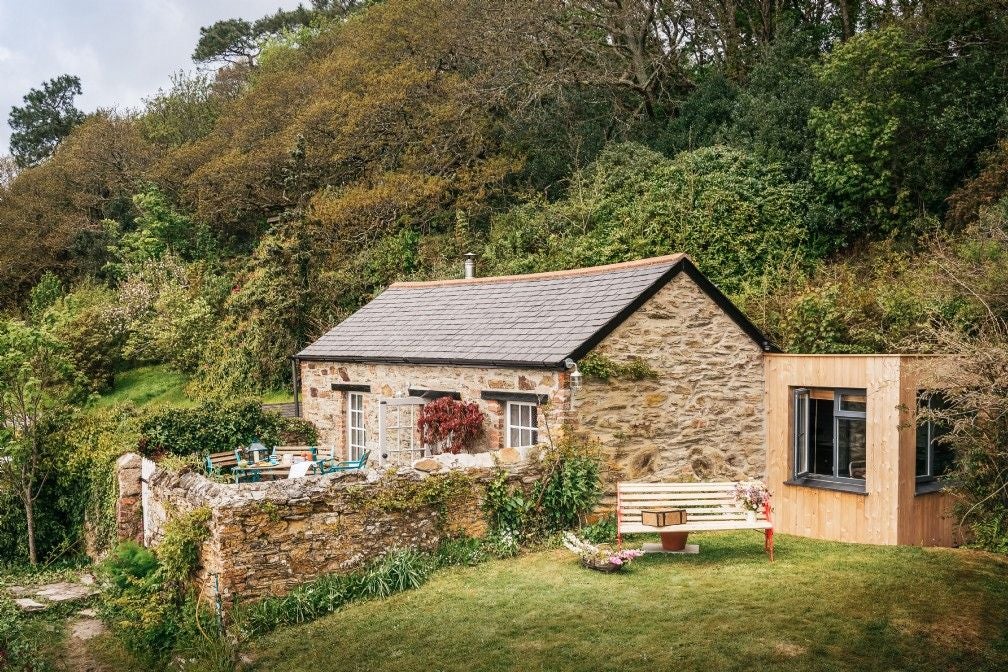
(355, 425)
(934, 456)
(830, 436)
(522, 424)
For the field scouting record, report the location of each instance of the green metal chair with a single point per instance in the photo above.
(333, 467)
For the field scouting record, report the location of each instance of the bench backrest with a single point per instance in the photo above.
(701, 501)
(280, 451)
(221, 461)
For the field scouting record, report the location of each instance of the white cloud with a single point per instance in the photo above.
(123, 50)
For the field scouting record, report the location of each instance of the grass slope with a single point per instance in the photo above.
(160, 386)
(821, 606)
(147, 386)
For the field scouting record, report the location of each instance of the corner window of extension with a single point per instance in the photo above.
(355, 425)
(522, 424)
(830, 447)
(934, 455)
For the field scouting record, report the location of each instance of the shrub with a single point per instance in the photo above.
(219, 426)
(569, 489)
(19, 652)
(450, 423)
(135, 604)
(973, 414)
(597, 365)
(602, 531)
(738, 216)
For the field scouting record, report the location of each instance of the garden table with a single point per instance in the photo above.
(266, 471)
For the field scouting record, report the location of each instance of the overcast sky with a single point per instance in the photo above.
(123, 50)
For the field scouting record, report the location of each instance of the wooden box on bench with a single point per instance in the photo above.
(663, 517)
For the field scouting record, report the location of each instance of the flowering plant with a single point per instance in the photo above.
(451, 423)
(752, 496)
(601, 557)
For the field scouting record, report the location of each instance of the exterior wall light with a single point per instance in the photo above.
(575, 376)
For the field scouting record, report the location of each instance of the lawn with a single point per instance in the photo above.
(820, 606)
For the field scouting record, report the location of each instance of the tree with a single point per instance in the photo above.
(52, 213)
(38, 391)
(47, 117)
(239, 42)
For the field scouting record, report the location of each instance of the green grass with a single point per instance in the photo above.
(148, 386)
(820, 606)
(160, 386)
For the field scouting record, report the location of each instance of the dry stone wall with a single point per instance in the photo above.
(267, 538)
(701, 416)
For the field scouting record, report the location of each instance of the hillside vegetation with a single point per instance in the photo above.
(811, 158)
(838, 168)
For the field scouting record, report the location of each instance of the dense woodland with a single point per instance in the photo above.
(838, 167)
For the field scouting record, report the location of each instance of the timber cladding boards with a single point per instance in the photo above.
(889, 512)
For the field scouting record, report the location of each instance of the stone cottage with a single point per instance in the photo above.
(672, 382)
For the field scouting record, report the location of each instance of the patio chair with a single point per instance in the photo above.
(331, 466)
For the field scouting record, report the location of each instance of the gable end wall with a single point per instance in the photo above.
(702, 417)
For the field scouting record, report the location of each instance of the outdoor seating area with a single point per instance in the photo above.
(256, 463)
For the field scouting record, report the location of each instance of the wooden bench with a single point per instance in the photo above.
(709, 507)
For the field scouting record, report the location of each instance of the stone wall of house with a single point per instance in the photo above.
(326, 408)
(267, 538)
(701, 417)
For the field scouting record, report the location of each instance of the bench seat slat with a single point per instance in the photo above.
(701, 526)
(695, 515)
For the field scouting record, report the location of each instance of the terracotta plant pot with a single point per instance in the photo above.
(673, 541)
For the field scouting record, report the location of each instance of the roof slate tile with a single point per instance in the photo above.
(520, 320)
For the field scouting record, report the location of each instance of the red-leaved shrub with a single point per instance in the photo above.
(449, 422)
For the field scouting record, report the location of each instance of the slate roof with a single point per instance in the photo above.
(535, 320)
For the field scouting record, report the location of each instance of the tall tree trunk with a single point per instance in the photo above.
(29, 505)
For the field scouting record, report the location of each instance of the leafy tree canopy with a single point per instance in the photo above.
(239, 42)
(47, 116)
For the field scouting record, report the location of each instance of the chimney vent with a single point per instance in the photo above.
(469, 266)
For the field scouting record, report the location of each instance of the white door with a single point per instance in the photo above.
(398, 439)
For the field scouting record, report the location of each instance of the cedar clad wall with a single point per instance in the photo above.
(890, 512)
(701, 418)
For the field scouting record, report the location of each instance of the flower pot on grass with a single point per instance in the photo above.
(673, 541)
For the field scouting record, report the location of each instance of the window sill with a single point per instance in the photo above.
(822, 484)
(928, 487)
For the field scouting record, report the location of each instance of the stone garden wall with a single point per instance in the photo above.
(701, 416)
(267, 538)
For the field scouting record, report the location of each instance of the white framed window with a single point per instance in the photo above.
(522, 424)
(355, 425)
